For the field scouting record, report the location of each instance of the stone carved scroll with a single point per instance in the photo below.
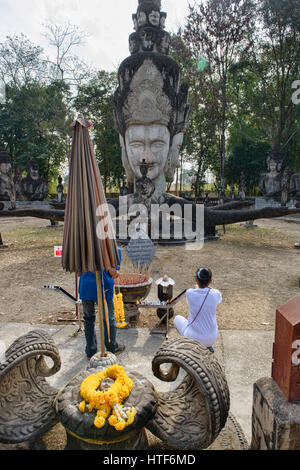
(193, 415)
(26, 399)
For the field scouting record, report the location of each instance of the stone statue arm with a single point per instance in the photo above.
(212, 217)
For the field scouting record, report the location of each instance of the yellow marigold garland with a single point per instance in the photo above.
(108, 403)
(119, 310)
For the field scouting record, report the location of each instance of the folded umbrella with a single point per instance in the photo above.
(89, 243)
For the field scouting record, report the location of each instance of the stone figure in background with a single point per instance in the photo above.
(285, 187)
(33, 187)
(242, 187)
(17, 183)
(5, 176)
(124, 189)
(295, 186)
(151, 110)
(270, 183)
(60, 190)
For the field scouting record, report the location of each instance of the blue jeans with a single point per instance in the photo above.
(89, 316)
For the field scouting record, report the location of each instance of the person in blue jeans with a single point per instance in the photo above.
(88, 294)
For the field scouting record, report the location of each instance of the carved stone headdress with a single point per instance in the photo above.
(149, 89)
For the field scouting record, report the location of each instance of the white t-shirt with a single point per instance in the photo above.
(205, 327)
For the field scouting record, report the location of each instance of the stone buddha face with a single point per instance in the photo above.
(5, 169)
(154, 18)
(150, 143)
(141, 19)
(33, 170)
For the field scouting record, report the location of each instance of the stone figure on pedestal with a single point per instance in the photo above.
(33, 187)
(295, 186)
(242, 187)
(60, 190)
(285, 187)
(5, 176)
(270, 183)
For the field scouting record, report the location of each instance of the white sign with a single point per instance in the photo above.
(296, 354)
(296, 94)
(58, 251)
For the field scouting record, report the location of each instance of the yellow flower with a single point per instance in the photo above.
(99, 422)
(113, 420)
(82, 406)
(120, 425)
(104, 401)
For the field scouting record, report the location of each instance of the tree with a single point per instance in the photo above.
(275, 63)
(67, 66)
(21, 61)
(34, 124)
(95, 101)
(199, 147)
(247, 157)
(220, 31)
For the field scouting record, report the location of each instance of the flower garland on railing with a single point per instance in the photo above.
(119, 310)
(108, 403)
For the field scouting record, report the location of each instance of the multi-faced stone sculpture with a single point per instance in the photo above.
(33, 187)
(5, 176)
(151, 110)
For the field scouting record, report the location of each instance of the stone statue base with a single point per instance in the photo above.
(81, 432)
(275, 421)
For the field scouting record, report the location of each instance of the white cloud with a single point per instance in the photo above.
(107, 22)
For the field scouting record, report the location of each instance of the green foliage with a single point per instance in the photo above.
(34, 124)
(248, 157)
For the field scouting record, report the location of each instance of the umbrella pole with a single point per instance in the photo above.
(101, 315)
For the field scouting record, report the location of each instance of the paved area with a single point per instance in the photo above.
(245, 355)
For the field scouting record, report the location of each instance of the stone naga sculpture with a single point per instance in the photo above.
(26, 398)
(189, 417)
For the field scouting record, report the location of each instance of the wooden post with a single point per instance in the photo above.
(76, 295)
(286, 349)
(101, 315)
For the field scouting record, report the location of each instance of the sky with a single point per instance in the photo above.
(108, 24)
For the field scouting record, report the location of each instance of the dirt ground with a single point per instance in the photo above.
(256, 270)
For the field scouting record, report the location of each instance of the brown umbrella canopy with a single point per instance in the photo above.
(89, 240)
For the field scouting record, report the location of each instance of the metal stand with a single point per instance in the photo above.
(168, 306)
(78, 304)
(156, 331)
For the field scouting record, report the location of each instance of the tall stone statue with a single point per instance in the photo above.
(242, 187)
(5, 176)
(33, 187)
(285, 187)
(151, 110)
(270, 183)
(60, 190)
(295, 186)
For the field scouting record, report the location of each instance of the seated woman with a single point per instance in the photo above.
(203, 301)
